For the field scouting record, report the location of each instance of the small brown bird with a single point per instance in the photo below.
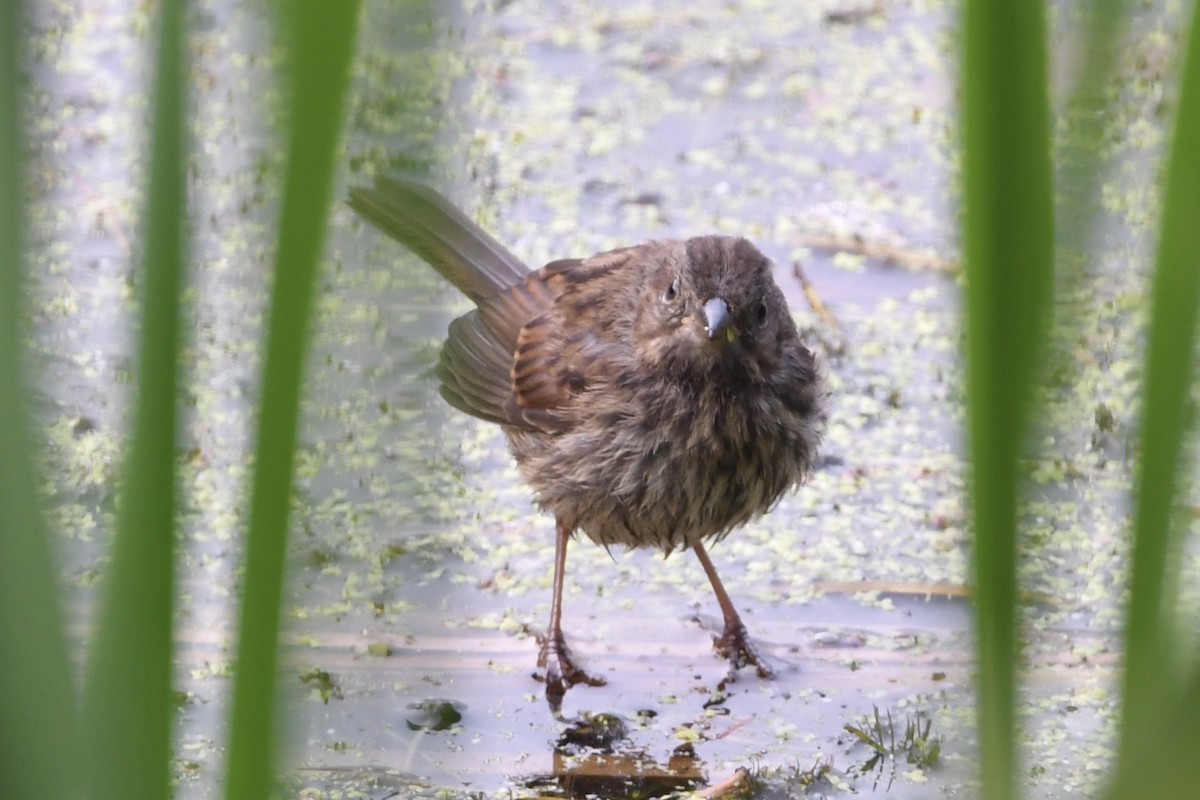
(653, 396)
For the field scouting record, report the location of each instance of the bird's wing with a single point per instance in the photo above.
(527, 353)
(563, 352)
(519, 358)
(476, 362)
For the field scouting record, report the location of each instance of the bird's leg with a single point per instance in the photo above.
(733, 643)
(555, 657)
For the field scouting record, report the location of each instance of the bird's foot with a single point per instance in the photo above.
(558, 671)
(734, 644)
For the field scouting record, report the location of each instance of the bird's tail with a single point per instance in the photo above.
(430, 225)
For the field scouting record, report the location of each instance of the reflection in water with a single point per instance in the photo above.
(620, 775)
(595, 758)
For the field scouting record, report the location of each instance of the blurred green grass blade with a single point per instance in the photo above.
(1008, 244)
(38, 722)
(127, 687)
(321, 39)
(1151, 665)
(1164, 766)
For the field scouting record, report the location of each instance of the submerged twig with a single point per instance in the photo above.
(739, 784)
(814, 299)
(888, 254)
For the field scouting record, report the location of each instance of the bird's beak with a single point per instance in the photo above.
(718, 321)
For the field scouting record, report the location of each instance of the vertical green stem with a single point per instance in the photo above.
(38, 723)
(127, 698)
(322, 38)
(1151, 662)
(1008, 243)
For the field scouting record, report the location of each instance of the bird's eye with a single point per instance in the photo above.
(762, 314)
(672, 291)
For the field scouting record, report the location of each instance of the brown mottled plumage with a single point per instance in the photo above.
(653, 396)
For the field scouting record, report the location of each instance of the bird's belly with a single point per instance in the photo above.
(628, 488)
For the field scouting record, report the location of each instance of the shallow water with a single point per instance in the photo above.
(421, 571)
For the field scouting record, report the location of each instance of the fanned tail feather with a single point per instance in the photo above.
(429, 225)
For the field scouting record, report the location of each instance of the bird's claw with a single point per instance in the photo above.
(558, 670)
(734, 644)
